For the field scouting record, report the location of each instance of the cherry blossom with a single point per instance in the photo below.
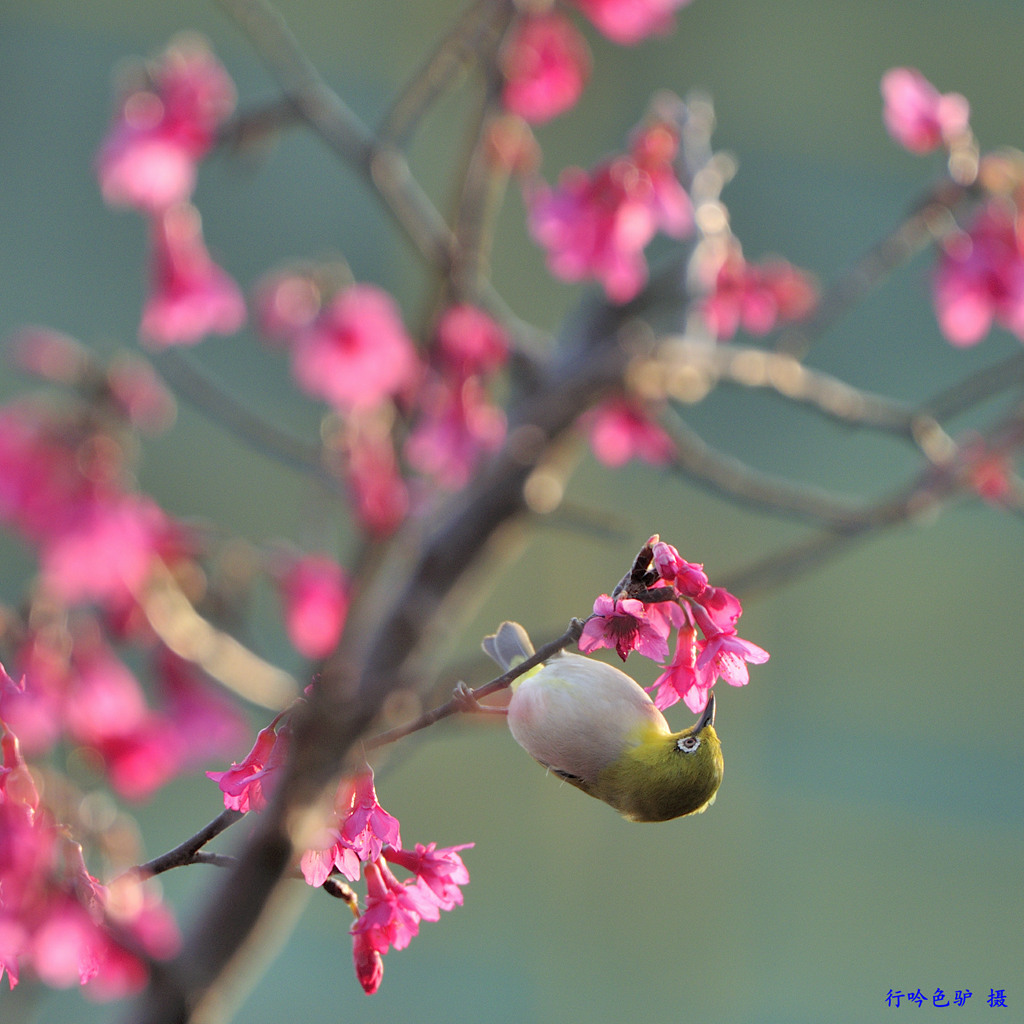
(917, 115)
(166, 121)
(754, 296)
(627, 625)
(619, 431)
(546, 64)
(315, 595)
(356, 353)
(190, 295)
(246, 785)
(979, 278)
(629, 21)
(598, 224)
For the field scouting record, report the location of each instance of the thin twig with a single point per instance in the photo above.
(383, 166)
(186, 852)
(455, 51)
(466, 699)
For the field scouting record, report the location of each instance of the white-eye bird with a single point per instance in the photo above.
(595, 727)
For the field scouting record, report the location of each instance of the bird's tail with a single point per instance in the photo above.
(509, 646)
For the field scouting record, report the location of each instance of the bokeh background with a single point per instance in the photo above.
(868, 835)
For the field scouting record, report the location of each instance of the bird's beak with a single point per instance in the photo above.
(707, 715)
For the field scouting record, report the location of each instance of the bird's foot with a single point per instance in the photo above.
(465, 698)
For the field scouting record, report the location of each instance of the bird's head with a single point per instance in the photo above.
(667, 776)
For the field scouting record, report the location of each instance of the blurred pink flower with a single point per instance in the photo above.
(165, 123)
(597, 224)
(619, 431)
(356, 353)
(755, 296)
(55, 917)
(104, 550)
(369, 466)
(979, 277)
(315, 595)
(546, 63)
(470, 342)
(457, 426)
(190, 295)
(629, 21)
(917, 116)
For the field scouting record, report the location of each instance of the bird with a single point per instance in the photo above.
(595, 727)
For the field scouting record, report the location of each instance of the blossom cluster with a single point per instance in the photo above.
(66, 491)
(597, 224)
(167, 119)
(665, 592)
(360, 838)
(56, 919)
(546, 61)
(978, 280)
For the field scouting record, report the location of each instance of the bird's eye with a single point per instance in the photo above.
(687, 744)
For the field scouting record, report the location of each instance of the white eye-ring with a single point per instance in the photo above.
(687, 744)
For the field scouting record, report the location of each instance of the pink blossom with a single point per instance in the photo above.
(16, 783)
(470, 343)
(989, 472)
(193, 722)
(36, 713)
(726, 654)
(368, 962)
(190, 295)
(105, 549)
(166, 121)
(365, 825)
(688, 578)
(358, 830)
(315, 594)
(682, 680)
(629, 21)
(368, 462)
(439, 873)
(393, 911)
(546, 63)
(43, 471)
(755, 296)
(980, 276)
(246, 785)
(627, 625)
(598, 224)
(917, 116)
(457, 427)
(104, 701)
(717, 611)
(619, 431)
(55, 917)
(356, 353)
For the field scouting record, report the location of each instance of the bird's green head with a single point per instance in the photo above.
(666, 776)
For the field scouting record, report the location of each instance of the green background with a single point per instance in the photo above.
(868, 835)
